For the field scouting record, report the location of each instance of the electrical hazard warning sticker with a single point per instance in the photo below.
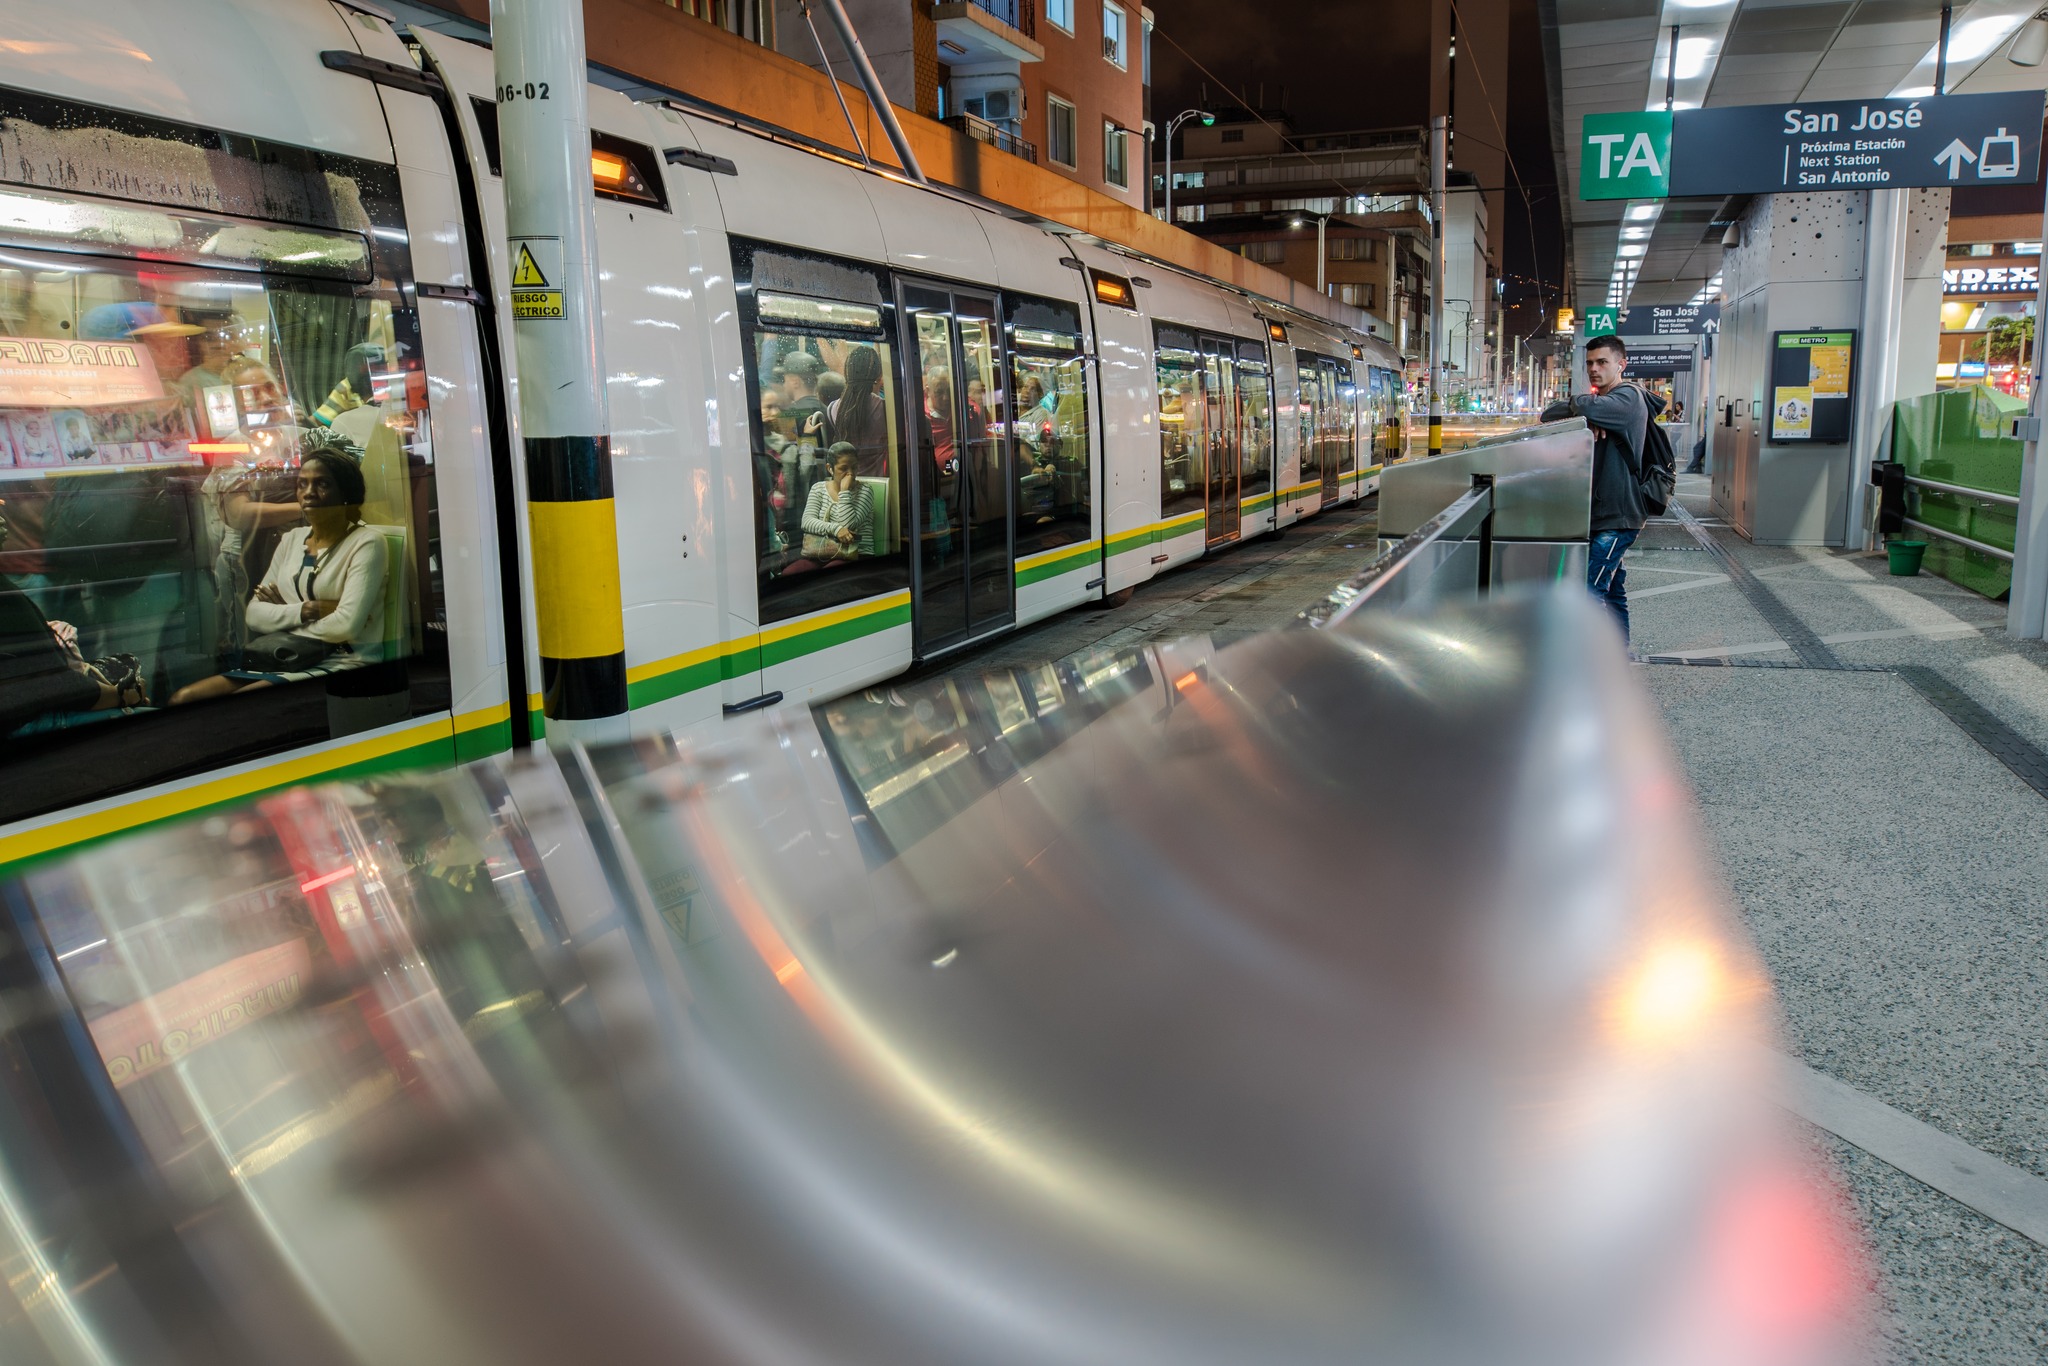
(536, 277)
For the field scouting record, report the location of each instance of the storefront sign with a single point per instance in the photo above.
(1978, 281)
(1992, 139)
(75, 374)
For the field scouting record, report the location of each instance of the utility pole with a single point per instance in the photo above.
(1439, 153)
(544, 135)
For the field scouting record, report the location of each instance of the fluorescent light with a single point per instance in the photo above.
(1978, 37)
(1695, 55)
(1639, 212)
(1634, 234)
(1632, 249)
(1700, 4)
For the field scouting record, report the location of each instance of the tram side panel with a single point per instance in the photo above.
(452, 337)
(1129, 423)
(468, 76)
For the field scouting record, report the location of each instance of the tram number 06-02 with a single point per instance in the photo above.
(532, 90)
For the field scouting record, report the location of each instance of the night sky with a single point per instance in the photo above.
(1336, 65)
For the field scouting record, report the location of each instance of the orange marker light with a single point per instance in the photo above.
(217, 447)
(1276, 332)
(607, 170)
(1114, 289)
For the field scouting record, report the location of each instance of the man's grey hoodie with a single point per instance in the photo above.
(1619, 418)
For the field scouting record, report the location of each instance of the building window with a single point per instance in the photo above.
(1059, 131)
(1265, 253)
(1233, 135)
(1352, 249)
(1359, 296)
(1116, 166)
(1113, 35)
(1060, 13)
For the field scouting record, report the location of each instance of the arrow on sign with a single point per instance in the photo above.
(1955, 154)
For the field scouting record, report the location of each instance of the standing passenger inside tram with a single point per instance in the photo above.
(245, 498)
(859, 418)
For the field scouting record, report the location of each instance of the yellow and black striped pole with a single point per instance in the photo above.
(544, 142)
(1439, 159)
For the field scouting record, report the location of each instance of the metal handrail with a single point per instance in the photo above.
(1469, 516)
(995, 135)
(1960, 540)
(1988, 497)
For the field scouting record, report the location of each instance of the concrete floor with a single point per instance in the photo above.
(1894, 872)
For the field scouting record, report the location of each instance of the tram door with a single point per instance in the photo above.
(1220, 399)
(964, 585)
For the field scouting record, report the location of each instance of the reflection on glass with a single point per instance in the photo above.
(1183, 436)
(828, 482)
(211, 487)
(921, 754)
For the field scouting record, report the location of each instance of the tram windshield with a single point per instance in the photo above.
(216, 497)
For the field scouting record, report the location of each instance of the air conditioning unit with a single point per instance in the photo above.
(997, 106)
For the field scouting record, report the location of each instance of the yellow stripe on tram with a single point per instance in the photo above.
(128, 813)
(805, 625)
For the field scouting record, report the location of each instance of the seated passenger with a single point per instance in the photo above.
(840, 512)
(42, 675)
(320, 607)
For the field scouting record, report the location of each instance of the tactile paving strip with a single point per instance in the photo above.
(1776, 614)
(2001, 741)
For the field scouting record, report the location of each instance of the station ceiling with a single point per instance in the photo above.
(1613, 55)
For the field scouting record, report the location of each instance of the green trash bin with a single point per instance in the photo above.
(1905, 556)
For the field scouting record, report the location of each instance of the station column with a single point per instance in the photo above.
(544, 133)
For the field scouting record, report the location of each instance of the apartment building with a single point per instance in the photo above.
(1250, 183)
(1060, 83)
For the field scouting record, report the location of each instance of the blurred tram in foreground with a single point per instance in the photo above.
(254, 284)
(1332, 995)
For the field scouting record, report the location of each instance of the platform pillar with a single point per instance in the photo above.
(551, 238)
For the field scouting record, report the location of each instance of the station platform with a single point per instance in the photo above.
(1866, 754)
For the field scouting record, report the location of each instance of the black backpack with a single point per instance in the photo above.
(1660, 469)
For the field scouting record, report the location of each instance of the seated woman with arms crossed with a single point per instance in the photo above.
(320, 608)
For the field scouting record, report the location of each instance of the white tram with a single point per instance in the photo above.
(264, 518)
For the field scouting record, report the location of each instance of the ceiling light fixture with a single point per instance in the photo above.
(2031, 44)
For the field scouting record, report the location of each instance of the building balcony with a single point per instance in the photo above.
(987, 31)
(995, 135)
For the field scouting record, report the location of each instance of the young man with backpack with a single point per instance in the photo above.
(1633, 469)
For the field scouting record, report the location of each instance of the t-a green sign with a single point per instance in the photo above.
(1625, 156)
(1601, 322)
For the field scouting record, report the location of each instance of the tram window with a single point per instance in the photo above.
(1183, 410)
(1048, 425)
(831, 525)
(1255, 413)
(1308, 385)
(217, 516)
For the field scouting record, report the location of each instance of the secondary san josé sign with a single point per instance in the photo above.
(1845, 144)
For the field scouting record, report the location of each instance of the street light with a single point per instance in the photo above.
(1322, 232)
(1208, 120)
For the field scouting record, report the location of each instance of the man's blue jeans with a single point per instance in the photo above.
(1605, 575)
